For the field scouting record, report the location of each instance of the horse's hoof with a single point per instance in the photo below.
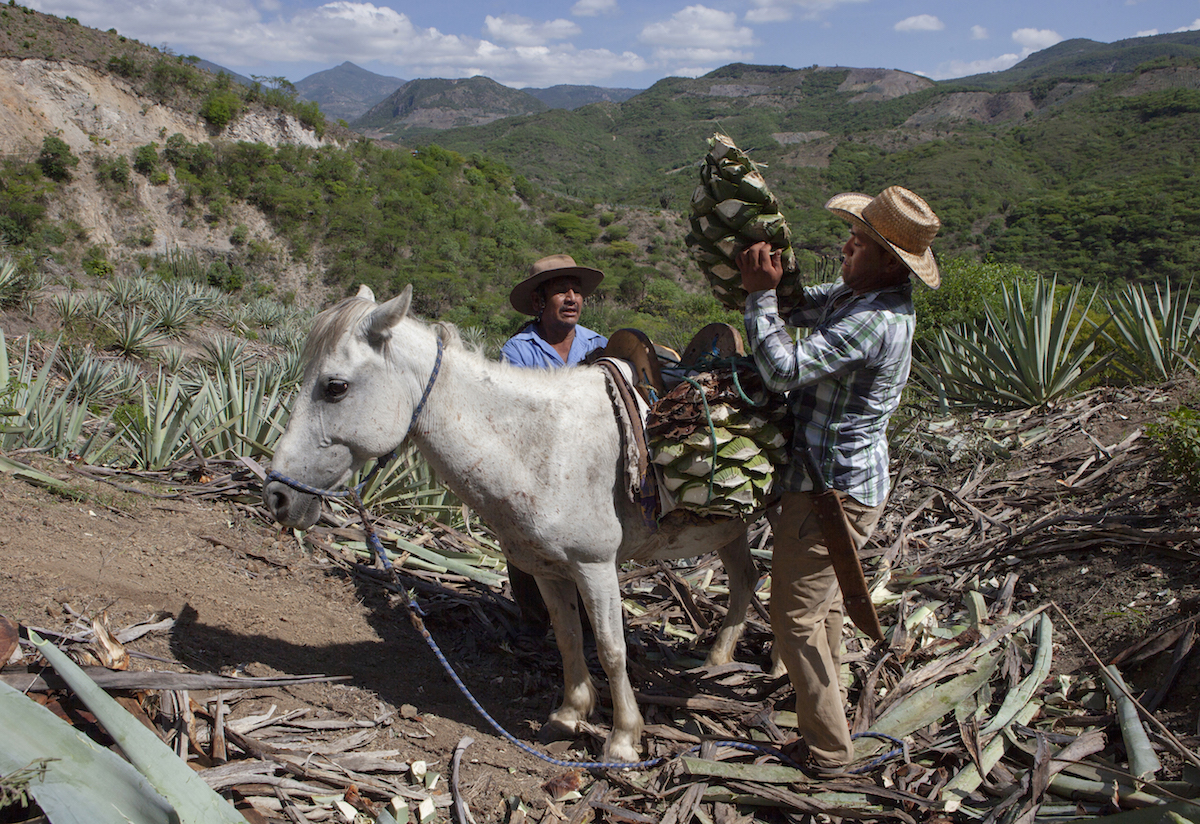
(621, 753)
(556, 730)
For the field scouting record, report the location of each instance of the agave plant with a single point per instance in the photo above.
(96, 306)
(96, 378)
(224, 352)
(265, 313)
(42, 412)
(69, 307)
(1154, 338)
(13, 283)
(248, 411)
(128, 292)
(1021, 357)
(236, 318)
(407, 487)
(135, 333)
(174, 359)
(173, 308)
(287, 369)
(160, 432)
(206, 298)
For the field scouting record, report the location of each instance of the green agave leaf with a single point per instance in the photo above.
(696, 464)
(84, 783)
(702, 201)
(736, 213)
(738, 450)
(186, 791)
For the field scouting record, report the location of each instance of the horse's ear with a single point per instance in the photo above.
(365, 293)
(386, 316)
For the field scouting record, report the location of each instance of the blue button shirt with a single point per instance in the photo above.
(528, 348)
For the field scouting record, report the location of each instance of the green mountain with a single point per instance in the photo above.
(572, 97)
(1081, 57)
(434, 104)
(346, 92)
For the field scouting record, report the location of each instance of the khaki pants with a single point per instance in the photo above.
(806, 617)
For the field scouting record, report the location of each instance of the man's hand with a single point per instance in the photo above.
(760, 267)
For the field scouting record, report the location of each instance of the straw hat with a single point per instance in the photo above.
(554, 266)
(900, 220)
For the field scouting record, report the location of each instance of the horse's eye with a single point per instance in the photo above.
(336, 390)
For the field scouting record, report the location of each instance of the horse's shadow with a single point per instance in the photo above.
(515, 677)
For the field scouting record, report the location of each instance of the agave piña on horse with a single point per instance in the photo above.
(537, 454)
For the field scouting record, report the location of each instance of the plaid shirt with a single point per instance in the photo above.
(844, 379)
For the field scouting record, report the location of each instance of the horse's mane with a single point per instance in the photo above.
(351, 313)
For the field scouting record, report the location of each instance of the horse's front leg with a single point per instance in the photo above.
(742, 575)
(602, 598)
(579, 693)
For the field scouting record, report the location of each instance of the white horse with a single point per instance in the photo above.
(536, 453)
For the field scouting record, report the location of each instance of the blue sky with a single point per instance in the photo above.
(618, 43)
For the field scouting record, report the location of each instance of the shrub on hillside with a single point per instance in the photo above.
(219, 108)
(126, 65)
(145, 159)
(113, 170)
(56, 158)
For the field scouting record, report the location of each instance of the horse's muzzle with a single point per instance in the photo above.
(290, 507)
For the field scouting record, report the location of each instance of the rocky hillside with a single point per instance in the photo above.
(101, 117)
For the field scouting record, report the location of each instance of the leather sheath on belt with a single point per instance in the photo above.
(827, 504)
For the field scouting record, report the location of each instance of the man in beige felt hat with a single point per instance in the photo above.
(553, 294)
(843, 380)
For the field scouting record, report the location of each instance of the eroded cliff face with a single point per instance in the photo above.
(95, 111)
(100, 116)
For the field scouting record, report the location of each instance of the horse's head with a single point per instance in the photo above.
(356, 401)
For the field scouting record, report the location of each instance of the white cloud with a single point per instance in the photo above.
(1147, 33)
(1036, 39)
(514, 30)
(1193, 26)
(921, 22)
(979, 33)
(960, 68)
(1032, 39)
(594, 8)
(698, 35)
(775, 11)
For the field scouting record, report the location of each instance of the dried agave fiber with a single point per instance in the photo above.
(719, 437)
(733, 208)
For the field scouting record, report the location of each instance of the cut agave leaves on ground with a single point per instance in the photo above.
(74, 780)
(176, 792)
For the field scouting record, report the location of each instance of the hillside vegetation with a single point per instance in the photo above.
(1087, 177)
(1088, 173)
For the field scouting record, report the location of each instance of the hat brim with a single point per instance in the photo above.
(849, 206)
(521, 296)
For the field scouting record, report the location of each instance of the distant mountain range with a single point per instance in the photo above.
(351, 93)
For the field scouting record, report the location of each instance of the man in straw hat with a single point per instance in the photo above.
(844, 381)
(553, 294)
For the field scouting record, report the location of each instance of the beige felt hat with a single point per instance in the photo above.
(521, 296)
(900, 220)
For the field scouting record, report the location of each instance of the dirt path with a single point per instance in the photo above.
(249, 600)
